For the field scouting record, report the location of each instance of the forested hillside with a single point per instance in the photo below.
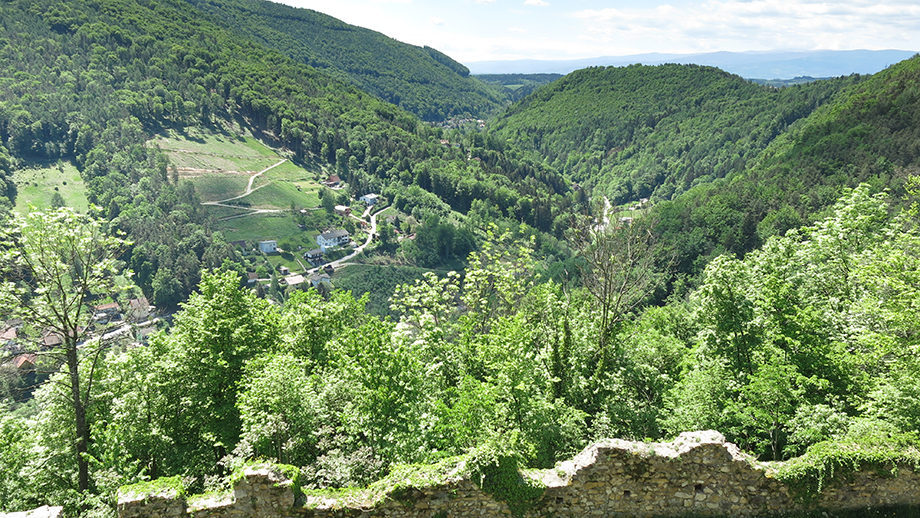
(421, 80)
(518, 86)
(791, 326)
(727, 163)
(89, 82)
(868, 133)
(642, 131)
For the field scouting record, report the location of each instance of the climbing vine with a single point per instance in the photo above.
(495, 469)
(808, 475)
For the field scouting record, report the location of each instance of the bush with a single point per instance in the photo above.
(867, 445)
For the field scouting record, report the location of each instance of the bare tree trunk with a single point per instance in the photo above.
(621, 272)
(82, 430)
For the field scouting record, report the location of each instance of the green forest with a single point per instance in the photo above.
(621, 252)
(661, 131)
(89, 84)
(420, 80)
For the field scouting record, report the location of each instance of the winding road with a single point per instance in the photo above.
(249, 190)
(358, 249)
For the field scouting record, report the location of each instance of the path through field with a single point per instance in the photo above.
(249, 190)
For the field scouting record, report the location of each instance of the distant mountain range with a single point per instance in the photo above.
(752, 65)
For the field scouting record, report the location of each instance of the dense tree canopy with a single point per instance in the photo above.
(421, 80)
(655, 131)
(867, 134)
(792, 320)
(810, 338)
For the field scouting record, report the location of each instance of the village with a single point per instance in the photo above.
(316, 265)
(34, 353)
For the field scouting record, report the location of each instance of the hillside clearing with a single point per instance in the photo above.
(37, 182)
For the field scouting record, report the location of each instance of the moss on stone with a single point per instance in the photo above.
(165, 487)
(829, 461)
(404, 478)
(209, 499)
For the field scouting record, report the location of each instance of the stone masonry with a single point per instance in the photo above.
(697, 474)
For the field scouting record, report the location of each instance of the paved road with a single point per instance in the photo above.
(358, 249)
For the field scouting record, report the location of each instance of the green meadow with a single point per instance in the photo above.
(220, 165)
(37, 182)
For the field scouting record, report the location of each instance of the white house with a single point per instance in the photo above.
(294, 280)
(268, 247)
(332, 238)
(369, 199)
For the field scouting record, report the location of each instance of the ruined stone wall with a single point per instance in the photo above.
(699, 474)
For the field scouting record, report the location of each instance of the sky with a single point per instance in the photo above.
(484, 30)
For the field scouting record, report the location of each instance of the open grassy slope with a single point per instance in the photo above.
(37, 182)
(220, 166)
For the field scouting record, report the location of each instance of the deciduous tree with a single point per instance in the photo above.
(54, 264)
(620, 272)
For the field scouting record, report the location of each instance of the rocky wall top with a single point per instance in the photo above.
(699, 473)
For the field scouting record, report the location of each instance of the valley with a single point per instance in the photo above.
(262, 234)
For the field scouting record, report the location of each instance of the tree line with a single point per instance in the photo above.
(809, 339)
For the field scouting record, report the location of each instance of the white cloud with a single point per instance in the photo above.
(517, 29)
(755, 25)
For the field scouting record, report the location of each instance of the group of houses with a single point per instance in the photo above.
(325, 241)
(315, 279)
(459, 122)
(110, 321)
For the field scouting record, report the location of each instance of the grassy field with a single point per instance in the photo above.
(291, 172)
(225, 212)
(287, 259)
(221, 164)
(216, 187)
(196, 152)
(259, 227)
(37, 182)
(300, 178)
(277, 195)
(385, 213)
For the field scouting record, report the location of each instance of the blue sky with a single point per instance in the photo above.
(479, 30)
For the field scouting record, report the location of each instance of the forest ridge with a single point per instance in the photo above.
(625, 252)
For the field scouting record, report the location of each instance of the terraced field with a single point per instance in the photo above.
(248, 186)
(197, 153)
